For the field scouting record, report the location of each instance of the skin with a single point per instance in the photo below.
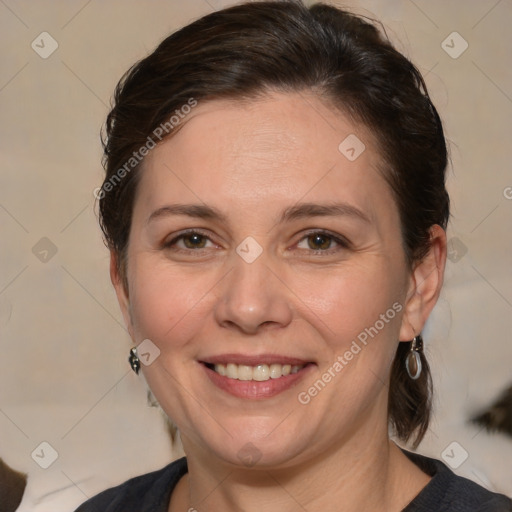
(251, 162)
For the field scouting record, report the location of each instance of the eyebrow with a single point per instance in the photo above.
(304, 210)
(299, 211)
(190, 210)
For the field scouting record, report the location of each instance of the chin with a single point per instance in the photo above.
(256, 445)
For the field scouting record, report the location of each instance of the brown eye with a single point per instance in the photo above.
(194, 241)
(319, 241)
(190, 241)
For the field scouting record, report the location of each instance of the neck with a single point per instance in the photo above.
(368, 472)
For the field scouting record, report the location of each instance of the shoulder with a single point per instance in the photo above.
(447, 492)
(149, 492)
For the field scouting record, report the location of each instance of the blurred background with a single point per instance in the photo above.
(72, 413)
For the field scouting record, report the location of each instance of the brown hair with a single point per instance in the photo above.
(12, 487)
(245, 51)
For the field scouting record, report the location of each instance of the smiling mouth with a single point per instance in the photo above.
(258, 373)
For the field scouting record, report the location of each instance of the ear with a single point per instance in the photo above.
(425, 285)
(121, 291)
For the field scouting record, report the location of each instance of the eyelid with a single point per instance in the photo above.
(189, 231)
(340, 240)
(336, 237)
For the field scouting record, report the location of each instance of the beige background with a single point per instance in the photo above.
(64, 377)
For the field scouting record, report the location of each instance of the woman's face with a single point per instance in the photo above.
(257, 241)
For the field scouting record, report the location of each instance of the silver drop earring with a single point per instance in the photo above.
(413, 359)
(134, 360)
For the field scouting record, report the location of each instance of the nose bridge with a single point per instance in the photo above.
(252, 296)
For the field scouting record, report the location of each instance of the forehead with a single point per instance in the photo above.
(283, 147)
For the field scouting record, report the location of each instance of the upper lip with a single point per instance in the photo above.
(253, 360)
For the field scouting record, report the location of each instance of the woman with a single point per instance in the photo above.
(275, 208)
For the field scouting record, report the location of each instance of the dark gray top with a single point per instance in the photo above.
(446, 492)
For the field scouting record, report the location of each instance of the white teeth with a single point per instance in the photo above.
(244, 372)
(287, 368)
(278, 370)
(232, 371)
(260, 372)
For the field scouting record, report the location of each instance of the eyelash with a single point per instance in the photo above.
(342, 243)
(181, 236)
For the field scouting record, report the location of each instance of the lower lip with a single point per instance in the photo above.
(256, 389)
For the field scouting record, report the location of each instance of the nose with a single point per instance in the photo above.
(253, 297)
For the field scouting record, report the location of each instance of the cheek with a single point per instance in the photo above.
(358, 317)
(357, 302)
(168, 305)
